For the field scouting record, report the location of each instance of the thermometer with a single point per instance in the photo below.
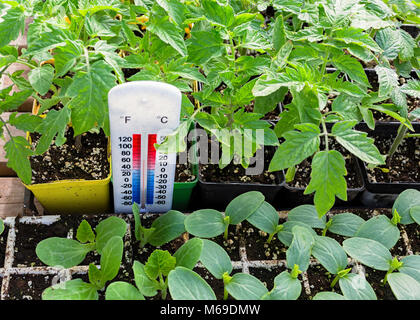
(141, 114)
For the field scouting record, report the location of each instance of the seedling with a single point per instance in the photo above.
(77, 289)
(209, 223)
(407, 206)
(163, 229)
(405, 283)
(67, 253)
(152, 277)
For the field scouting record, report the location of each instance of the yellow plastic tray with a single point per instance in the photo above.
(75, 196)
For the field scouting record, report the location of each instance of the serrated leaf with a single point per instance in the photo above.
(12, 22)
(14, 101)
(412, 88)
(54, 125)
(218, 14)
(17, 153)
(89, 93)
(297, 147)
(357, 142)
(356, 36)
(352, 67)
(159, 263)
(85, 233)
(388, 80)
(327, 180)
(41, 78)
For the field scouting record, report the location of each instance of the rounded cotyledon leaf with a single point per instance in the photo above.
(403, 286)
(265, 218)
(330, 254)
(120, 290)
(243, 206)
(185, 284)
(381, 229)
(215, 259)
(205, 223)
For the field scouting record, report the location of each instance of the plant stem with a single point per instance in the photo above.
(225, 294)
(270, 237)
(412, 135)
(325, 133)
(337, 277)
(402, 130)
(225, 235)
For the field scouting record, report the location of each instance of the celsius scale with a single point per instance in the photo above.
(141, 114)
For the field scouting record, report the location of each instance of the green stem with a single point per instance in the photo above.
(412, 135)
(337, 277)
(402, 130)
(225, 294)
(270, 237)
(325, 133)
(225, 234)
(26, 63)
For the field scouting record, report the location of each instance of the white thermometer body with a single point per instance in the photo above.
(141, 114)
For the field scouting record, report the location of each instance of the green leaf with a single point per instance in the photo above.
(369, 252)
(189, 253)
(279, 35)
(167, 227)
(25, 121)
(145, 285)
(185, 284)
(388, 80)
(389, 41)
(17, 153)
(122, 291)
(205, 223)
(412, 88)
(108, 228)
(85, 233)
(41, 78)
(307, 214)
(12, 22)
(345, 224)
(168, 32)
(325, 295)
(175, 10)
(62, 252)
(415, 214)
(411, 266)
(299, 252)
(297, 147)
(1, 226)
(204, 45)
(265, 218)
(75, 289)
(111, 257)
(357, 142)
(218, 14)
(330, 254)
(406, 200)
(243, 206)
(95, 276)
(355, 287)
(352, 67)
(14, 101)
(356, 36)
(160, 263)
(285, 288)
(403, 286)
(380, 229)
(89, 93)
(54, 125)
(327, 180)
(285, 235)
(244, 286)
(215, 259)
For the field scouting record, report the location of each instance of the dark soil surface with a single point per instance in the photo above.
(404, 165)
(231, 245)
(413, 233)
(320, 280)
(237, 173)
(257, 247)
(66, 162)
(27, 238)
(266, 276)
(375, 277)
(184, 173)
(29, 287)
(3, 244)
(215, 284)
(303, 170)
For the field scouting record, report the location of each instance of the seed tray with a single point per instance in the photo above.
(61, 275)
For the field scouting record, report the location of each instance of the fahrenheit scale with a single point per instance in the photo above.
(142, 113)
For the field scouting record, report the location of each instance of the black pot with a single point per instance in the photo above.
(380, 194)
(412, 29)
(293, 196)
